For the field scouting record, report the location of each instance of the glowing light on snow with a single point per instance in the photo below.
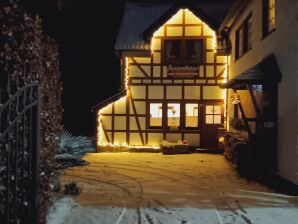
(125, 145)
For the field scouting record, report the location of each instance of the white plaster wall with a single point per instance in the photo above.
(283, 43)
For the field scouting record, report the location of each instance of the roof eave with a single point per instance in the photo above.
(148, 33)
(133, 52)
(236, 9)
(112, 99)
(261, 70)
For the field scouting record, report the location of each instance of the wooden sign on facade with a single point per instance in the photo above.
(183, 70)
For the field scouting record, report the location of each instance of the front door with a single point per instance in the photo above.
(212, 120)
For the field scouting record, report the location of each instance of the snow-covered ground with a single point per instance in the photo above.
(144, 188)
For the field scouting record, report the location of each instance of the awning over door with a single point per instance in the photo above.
(267, 71)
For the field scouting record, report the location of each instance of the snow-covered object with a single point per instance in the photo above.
(68, 142)
(72, 149)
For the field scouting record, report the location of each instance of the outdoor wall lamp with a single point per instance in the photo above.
(235, 98)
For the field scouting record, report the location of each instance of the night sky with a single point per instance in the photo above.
(86, 32)
(90, 69)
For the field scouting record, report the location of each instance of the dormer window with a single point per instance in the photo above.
(183, 51)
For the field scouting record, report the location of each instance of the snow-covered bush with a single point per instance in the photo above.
(72, 148)
(70, 143)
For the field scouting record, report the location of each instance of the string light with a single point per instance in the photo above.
(225, 76)
(152, 44)
(101, 111)
(125, 145)
(100, 134)
(214, 42)
(99, 128)
(126, 73)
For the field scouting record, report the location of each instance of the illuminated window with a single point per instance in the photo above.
(213, 114)
(173, 115)
(183, 51)
(155, 114)
(269, 20)
(191, 115)
(243, 37)
(271, 15)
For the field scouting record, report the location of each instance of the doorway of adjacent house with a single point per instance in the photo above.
(212, 119)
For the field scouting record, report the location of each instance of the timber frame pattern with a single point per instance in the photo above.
(144, 76)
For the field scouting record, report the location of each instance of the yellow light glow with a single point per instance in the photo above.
(177, 18)
(221, 139)
(126, 73)
(155, 34)
(125, 145)
(225, 75)
(99, 128)
(152, 44)
(214, 42)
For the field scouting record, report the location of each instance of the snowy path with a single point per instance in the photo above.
(143, 188)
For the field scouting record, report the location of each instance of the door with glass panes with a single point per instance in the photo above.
(213, 118)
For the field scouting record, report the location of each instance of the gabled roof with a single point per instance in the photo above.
(140, 19)
(266, 71)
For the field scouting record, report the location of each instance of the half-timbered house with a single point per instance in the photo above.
(171, 72)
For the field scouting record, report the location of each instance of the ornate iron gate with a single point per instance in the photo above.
(19, 151)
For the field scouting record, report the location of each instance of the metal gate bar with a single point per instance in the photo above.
(19, 152)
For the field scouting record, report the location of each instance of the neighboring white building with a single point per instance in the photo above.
(263, 35)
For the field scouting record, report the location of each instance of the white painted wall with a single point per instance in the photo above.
(283, 42)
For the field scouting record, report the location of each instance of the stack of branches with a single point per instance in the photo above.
(72, 149)
(27, 54)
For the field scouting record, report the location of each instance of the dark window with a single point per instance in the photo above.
(183, 51)
(173, 49)
(269, 21)
(194, 49)
(243, 40)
